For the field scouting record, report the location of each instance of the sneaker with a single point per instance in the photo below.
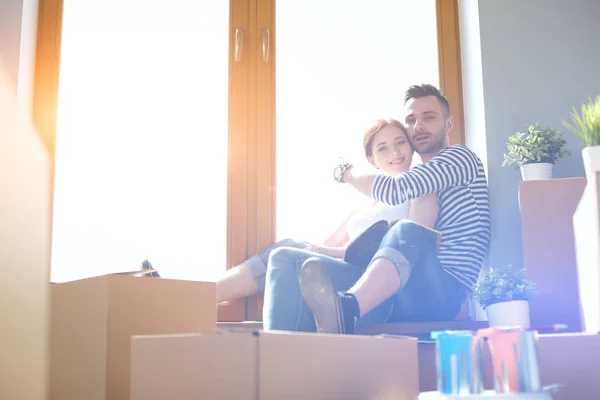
(334, 312)
(146, 266)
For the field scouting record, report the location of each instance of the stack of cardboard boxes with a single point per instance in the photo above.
(121, 337)
(94, 319)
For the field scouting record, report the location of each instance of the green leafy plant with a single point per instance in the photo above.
(586, 125)
(540, 144)
(504, 284)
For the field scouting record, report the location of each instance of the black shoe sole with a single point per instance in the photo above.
(320, 295)
(361, 250)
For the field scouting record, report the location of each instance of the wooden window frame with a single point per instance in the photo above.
(449, 64)
(251, 154)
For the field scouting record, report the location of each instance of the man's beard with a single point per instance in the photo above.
(433, 146)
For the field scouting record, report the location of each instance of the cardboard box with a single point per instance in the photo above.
(93, 320)
(273, 366)
(547, 208)
(574, 360)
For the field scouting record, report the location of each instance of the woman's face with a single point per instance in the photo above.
(391, 151)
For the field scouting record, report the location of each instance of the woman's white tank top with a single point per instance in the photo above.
(361, 220)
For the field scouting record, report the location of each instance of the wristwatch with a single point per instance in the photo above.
(340, 170)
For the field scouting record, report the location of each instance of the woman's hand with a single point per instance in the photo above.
(334, 252)
(318, 249)
(313, 248)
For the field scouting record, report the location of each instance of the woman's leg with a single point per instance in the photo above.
(248, 278)
(284, 305)
(237, 282)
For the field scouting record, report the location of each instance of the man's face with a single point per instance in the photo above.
(427, 125)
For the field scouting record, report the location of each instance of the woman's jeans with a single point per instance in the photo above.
(429, 293)
(258, 263)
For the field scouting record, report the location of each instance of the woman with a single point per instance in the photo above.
(387, 148)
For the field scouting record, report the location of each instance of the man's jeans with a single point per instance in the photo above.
(429, 294)
(284, 305)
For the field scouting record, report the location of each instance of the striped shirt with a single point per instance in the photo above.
(458, 177)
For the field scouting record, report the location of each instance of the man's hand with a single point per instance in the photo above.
(363, 183)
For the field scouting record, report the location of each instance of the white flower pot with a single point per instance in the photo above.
(536, 171)
(591, 160)
(509, 313)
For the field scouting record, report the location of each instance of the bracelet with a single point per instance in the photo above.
(340, 170)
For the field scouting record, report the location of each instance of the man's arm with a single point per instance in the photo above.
(362, 183)
(454, 166)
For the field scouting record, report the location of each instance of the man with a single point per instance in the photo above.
(406, 268)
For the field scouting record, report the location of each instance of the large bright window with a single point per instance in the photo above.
(341, 65)
(141, 146)
(194, 133)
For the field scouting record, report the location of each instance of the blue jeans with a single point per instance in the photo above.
(284, 306)
(427, 293)
(258, 263)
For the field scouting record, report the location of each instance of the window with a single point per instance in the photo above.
(334, 80)
(163, 135)
(141, 145)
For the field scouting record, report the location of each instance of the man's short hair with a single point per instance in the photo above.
(425, 89)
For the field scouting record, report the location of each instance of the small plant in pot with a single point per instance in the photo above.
(504, 294)
(587, 126)
(535, 151)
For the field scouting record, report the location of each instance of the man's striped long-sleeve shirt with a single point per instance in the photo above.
(458, 177)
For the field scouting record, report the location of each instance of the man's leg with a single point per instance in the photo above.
(431, 293)
(400, 251)
(380, 281)
(284, 304)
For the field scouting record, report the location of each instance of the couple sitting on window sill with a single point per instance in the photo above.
(411, 256)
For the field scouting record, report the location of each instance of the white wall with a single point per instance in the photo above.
(524, 62)
(472, 76)
(11, 16)
(18, 30)
(24, 215)
(27, 52)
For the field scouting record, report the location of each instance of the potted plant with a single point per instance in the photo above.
(504, 294)
(587, 126)
(535, 151)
